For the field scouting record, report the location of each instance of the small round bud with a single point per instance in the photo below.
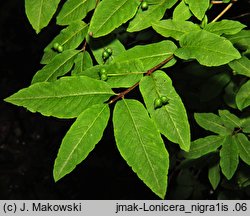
(144, 5)
(109, 51)
(157, 103)
(164, 100)
(105, 55)
(60, 48)
(56, 45)
(104, 77)
(103, 71)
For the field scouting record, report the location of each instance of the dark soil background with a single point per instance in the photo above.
(29, 142)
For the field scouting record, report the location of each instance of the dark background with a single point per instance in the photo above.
(29, 142)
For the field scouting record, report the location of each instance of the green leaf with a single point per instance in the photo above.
(140, 144)
(81, 139)
(211, 122)
(40, 12)
(144, 19)
(243, 96)
(214, 175)
(174, 28)
(229, 157)
(74, 10)
(59, 66)
(83, 61)
(209, 49)
(110, 15)
(64, 98)
(214, 86)
(245, 125)
(198, 8)
(181, 12)
(151, 54)
(70, 38)
(203, 146)
(243, 145)
(229, 27)
(171, 119)
(229, 120)
(241, 66)
(120, 74)
(98, 45)
(230, 94)
(241, 39)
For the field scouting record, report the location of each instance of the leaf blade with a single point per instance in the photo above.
(140, 144)
(79, 140)
(243, 96)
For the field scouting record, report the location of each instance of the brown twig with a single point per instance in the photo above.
(148, 72)
(224, 11)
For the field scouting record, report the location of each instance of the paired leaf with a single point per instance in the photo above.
(228, 27)
(241, 66)
(203, 146)
(181, 12)
(144, 19)
(211, 122)
(209, 49)
(140, 144)
(64, 98)
(121, 74)
(171, 119)
(111, 14)
(81, 139)
(151, 54)
(74, 10)
(59, 66)
(40, 12)
(83, 61)
(198, 8)
(174, 28)
(243, 96)
(243, 145)
(70, 38)
(214, 175)
(229, 157)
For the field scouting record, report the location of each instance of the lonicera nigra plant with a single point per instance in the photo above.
(109, 48)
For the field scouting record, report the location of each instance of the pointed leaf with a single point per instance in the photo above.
(140, 144)
(83, 61)
(229, 157)
(74, 10)
(70, 38)
(209, 49)
(79, 140)
(144, 19)
(181, 12)
(241, 66)
(40, 12)
(243, 145)
(151, 54)
(229, 120)
(59, 66)
(174, 28)
(171, 119)
(198, 8)
(229, 27)
(64, 98)
(110, 15)
(214, 175)
(203, 146)
(243, 96)
(211, 122)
